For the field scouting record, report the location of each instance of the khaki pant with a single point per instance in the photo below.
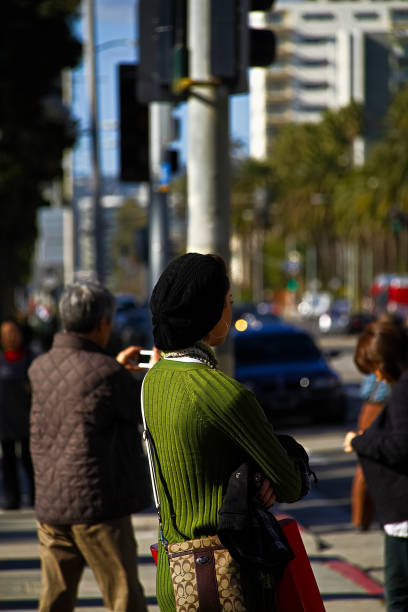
(108, 548)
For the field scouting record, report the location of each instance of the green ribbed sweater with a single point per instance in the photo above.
(204, 424)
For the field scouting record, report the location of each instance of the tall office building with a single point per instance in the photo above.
(329, 53)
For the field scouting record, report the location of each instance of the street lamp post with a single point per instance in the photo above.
(98, 267)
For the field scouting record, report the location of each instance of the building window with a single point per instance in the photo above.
(275, 85)
(399, 14)
(308, 62)
(366, 15)
(318, 16)
(314, 85)
(275, 17)
(312, 108)
(281, 62)
(314, 40)
(279, 108)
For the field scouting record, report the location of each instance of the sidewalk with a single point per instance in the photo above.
(20, 564)
(348, 566)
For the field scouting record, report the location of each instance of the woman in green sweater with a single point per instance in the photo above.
(203, 423)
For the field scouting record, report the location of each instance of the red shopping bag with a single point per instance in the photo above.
(154, 549)
(297, 590)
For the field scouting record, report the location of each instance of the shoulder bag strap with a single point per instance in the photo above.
(150, 455)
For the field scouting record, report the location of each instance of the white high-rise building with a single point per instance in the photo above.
(329, 53)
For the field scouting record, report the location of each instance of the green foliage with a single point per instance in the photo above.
(390, 157)
(318, 196)
(274, 256)
(365, 196)
(178, 189)
(36, 45)
(251, 180)
(130, 218)
(308, 161)
(127, 275)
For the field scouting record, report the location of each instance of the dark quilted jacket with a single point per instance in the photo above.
(86, 448)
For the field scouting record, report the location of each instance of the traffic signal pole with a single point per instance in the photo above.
(208, 169)
(98, 267)
(208, 165)
(160, 136)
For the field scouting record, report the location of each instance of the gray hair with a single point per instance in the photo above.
(82, 305)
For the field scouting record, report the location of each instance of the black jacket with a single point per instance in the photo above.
(86, 448)
(383, 452)
(251, 533)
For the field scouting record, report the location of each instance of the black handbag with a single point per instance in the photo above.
(251, 533)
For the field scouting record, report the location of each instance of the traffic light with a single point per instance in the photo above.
(134, 128)
(163, 48)
(163, 56)
(262, 42)
(236, 46)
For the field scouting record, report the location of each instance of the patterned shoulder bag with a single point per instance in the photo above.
(205, 577)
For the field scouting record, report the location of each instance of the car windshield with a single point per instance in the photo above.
(275, 348)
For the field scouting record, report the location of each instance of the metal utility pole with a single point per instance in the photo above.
(98, 270)
(68, 192)
(160, 136)
(208, 143)
(208, 171)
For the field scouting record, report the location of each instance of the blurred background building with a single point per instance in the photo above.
(329, 53)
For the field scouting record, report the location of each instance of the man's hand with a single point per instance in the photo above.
(130, 358)
(267, 494)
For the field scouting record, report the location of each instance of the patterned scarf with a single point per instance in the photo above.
(200, 350)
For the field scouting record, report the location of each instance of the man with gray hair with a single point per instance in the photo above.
(87, 455)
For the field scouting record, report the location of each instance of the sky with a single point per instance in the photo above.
(115, 38)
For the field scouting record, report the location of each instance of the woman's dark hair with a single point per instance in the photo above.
(188, 300)
(82, 306)
(382, 346)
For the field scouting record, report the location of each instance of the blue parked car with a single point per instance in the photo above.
(288, 373)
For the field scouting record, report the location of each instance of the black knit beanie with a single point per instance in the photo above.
(188, 300)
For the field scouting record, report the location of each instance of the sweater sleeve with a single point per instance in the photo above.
(235, 411)
(386, 441)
